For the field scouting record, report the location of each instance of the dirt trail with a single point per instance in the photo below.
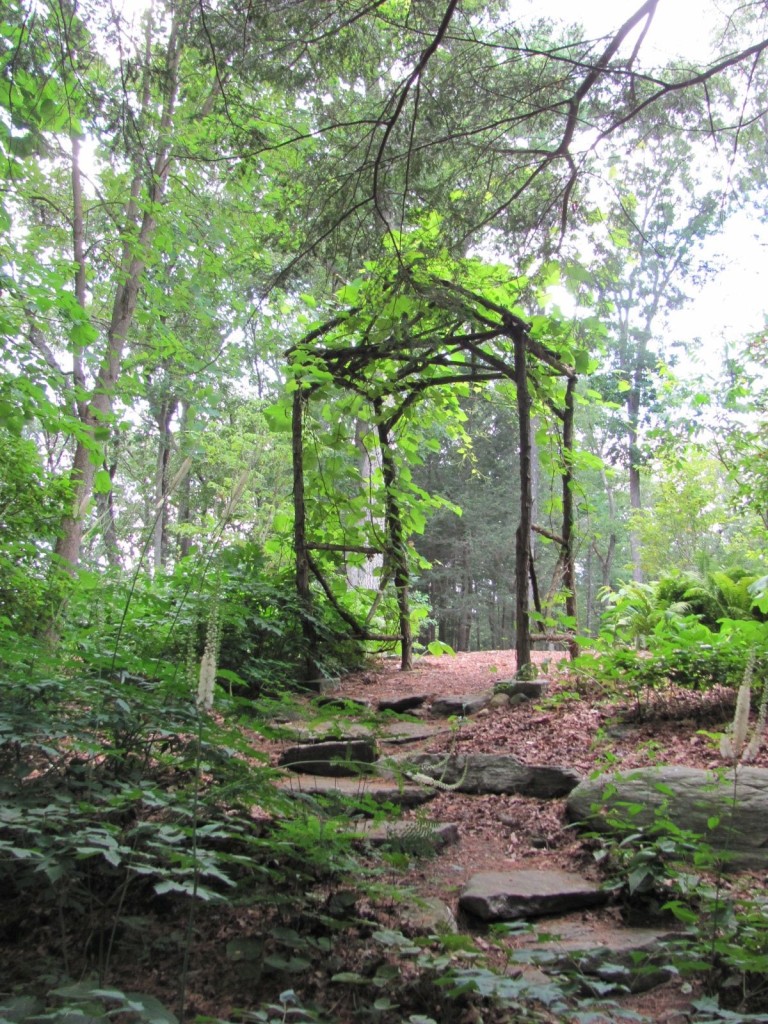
(578, 730)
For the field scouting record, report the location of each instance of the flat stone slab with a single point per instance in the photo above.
(398, 833)
(445, 707)
(495, 773)
(317, 685)
(403, 704)
(531, 688)
(402, 733)
(326, 732)
(342, 703)
(334, 757)
(632, 959)
(388, 730)
(689, 797)
(380, 790)
(512, 895)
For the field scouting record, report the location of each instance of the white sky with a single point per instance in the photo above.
(678, 27)
(734, 303)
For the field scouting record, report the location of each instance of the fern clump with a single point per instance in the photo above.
(419, 838)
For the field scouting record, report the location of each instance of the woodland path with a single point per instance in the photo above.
(576, 726)
(583, 732)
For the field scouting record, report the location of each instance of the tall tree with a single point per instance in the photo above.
(648, 256)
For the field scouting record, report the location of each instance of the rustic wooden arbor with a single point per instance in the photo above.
(430, 333)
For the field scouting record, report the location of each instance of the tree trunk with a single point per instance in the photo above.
(523, 544)
(184, 502)
(635, 500)
(606, 560)
(464, 633)
(363, 577)
(164, 415)
(299, 509)
(106, 509)
(95, 410)
(300, 533)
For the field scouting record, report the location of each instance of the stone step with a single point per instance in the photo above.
(402, 733)
(394, 731)
(332, 757)
(349, 790)
(446, 707)
(533, 689)
(342, 703)
(438, 834)
(523, 894)
(492, 773)
(632, 959)
(403, 704)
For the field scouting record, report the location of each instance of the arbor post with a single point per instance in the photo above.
(523, 537)
(300, 531)
(396, 543)
(569, 570)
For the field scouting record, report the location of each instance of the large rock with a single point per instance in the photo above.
(343, 703)
(402, 704)
(387, 730)
(323, 685)
(533, 689)
(445, 707)
(355, 793)
(691, 798)
(512, 895)
(327, 732)
(428, 916)
(495, 773)
(401, 733)
(334, 758)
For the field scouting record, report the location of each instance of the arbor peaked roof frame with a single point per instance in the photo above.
(436, 333)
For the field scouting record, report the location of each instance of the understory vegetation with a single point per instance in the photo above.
(140, 835)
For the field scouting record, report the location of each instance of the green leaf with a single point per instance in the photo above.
(438, 648)
(581, 361)
(188, 888)
(291, 965)
(230, 677)
(384, 1003)
(102, 482)
(282, 522)
(664, 789)
(279, 417)
(151, 1009)
(83, 334)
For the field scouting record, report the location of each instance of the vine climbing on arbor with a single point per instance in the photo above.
(414, 336)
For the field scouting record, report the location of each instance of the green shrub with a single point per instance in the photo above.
(679, 631)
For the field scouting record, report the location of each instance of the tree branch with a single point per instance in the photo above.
(405, 90)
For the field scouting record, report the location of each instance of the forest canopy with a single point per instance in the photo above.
(191, 189)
